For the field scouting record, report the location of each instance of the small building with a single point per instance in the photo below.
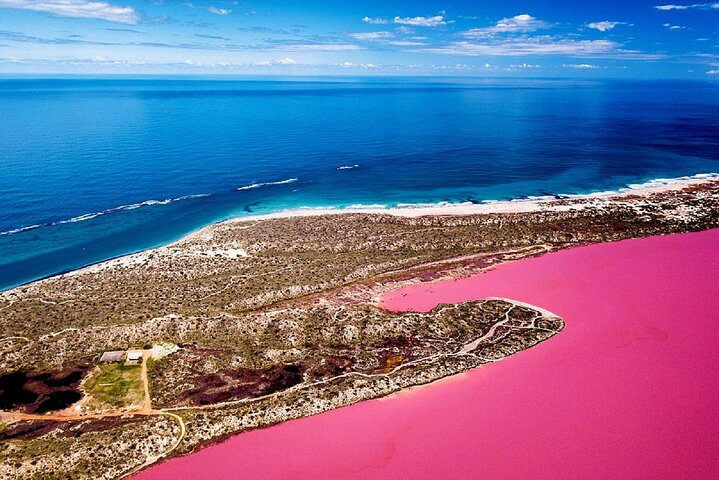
(113, 357)
(134, 356)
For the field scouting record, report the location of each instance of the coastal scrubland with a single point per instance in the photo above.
(267, 320)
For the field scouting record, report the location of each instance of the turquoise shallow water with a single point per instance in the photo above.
(96, 168)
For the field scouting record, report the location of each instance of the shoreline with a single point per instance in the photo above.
(519, 205)
(511, 205)
(308, 275)
(659, 185)
(556, 203)
(621, 339)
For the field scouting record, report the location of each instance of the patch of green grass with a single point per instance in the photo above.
(116, 384)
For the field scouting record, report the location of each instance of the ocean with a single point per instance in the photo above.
(95, 168)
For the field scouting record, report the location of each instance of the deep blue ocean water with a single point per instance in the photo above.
(95, 168)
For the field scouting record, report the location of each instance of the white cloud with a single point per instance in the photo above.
(672, 7)
(435, 21)
(511, 37)
(356, 65)
(375, 21)
(77, 9)
(286, 61)
(713, 72)
(404, 29)
(606, 25)
(385, 37)
(541, 45)
(321, 47)
(219, 11)
(528, 46)
(524, 66)
(674, 27)
(523, 23)
(371, 36)
(520, 23)
(700, 6)
(406, 43)
(580, 66)
(211, 9)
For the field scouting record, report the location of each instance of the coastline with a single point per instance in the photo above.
(308, 279)
(489, 404)
(519, 205)
(197, 276)
(556, 203)
(510, 205)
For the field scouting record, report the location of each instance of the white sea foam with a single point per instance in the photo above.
(431, 205)
(532, 198)
(21, 229)
(363, 206)
(654, 183)
(264, 184)
(443, 207)
(348, 167)
(88, 216)
(132, 206)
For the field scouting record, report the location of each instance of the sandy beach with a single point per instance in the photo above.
(502, 206)
(569, 202)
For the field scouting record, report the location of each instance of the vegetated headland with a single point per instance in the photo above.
(244, 324)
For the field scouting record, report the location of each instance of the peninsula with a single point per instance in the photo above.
(245, 324)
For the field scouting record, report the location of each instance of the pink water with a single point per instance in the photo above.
(630, 388)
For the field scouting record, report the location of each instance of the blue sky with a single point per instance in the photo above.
(611, 38)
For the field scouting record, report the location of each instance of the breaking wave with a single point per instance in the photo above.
(88, 216)
(379, 207)
(264, 184)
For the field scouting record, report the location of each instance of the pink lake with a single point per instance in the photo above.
(629, 389)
